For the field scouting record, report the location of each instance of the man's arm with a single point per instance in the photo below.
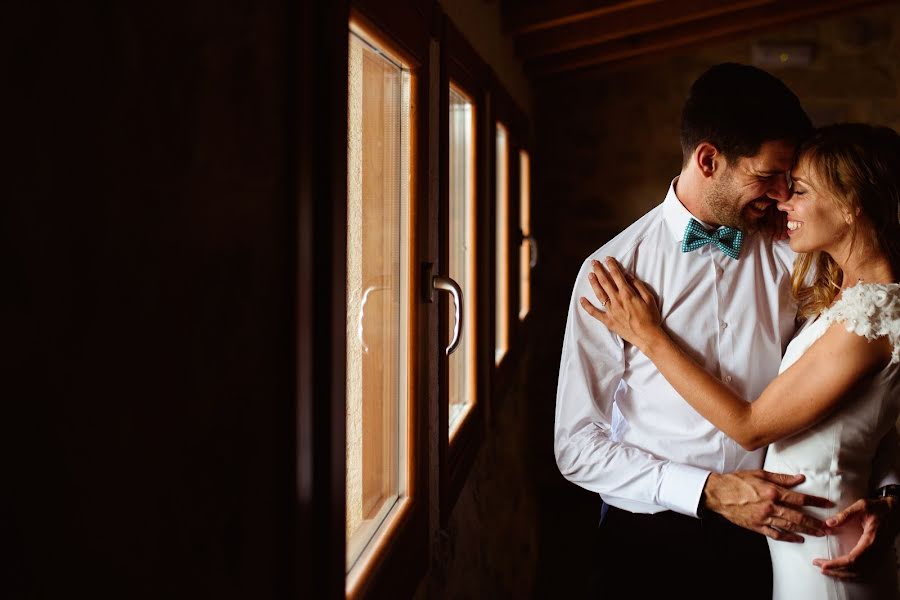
(791, 403)
(591, 369)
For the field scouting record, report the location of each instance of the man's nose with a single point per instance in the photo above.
(778, 191)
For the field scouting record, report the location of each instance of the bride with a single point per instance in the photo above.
(838, 388)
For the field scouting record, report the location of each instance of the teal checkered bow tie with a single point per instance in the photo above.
(728, 239)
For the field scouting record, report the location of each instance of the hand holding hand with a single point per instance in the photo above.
(761, 501)
(631, 310)
(880, 523)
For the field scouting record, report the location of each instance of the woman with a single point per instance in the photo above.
(838, 391)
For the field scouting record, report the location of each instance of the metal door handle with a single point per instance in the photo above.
(446, 284)
(533, 251)
(376, 287)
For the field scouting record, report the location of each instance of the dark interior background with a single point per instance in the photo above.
(148, 289)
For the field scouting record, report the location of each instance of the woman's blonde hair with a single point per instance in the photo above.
(859, 166)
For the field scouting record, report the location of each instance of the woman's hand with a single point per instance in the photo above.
(631, 310)
(880, 519)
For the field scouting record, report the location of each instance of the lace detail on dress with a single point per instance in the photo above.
(871, 310)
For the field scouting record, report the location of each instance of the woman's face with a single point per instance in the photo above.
(815, 221)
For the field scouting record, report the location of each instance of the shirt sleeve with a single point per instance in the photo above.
(590, 374)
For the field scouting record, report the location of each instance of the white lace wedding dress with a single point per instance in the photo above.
(836, 455)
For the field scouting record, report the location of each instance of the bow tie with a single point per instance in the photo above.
(728, 239)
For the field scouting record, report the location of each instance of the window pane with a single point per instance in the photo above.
(501, 334)
(525, 225)
(377, 290)
(462, 252)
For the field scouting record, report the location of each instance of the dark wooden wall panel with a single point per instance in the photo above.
(147, 228)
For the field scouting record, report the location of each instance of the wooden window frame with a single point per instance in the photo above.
(315, 474)
(505, 111)
(402, 555)
(521, 237)
(499, 324)
(462, 66)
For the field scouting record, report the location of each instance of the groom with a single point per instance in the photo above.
(683, 502)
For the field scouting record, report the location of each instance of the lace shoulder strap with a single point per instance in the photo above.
(871, 310)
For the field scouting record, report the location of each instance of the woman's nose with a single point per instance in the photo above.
(784, 205)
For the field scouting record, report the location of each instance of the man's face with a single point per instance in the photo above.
(748, 187)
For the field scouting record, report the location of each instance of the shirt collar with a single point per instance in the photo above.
(676, 215)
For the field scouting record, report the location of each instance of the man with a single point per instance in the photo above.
(623, 432)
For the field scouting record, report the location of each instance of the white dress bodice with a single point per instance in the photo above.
(836, 454)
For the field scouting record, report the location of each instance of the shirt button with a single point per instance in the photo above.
(724, 325)
(728, 379)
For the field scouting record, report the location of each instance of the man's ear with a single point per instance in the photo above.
(707, 158)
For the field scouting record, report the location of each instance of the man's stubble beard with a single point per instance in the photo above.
(722, 203)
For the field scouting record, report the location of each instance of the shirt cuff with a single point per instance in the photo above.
(681, 487)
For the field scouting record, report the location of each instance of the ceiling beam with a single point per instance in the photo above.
(703, 30)
(544, 15)
(631, 21)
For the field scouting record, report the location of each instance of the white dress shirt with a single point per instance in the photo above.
(621, 430)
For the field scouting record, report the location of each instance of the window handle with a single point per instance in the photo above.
(532, 251)
(380, 286)
(446, 284)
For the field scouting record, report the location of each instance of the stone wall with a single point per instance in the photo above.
(489, 547)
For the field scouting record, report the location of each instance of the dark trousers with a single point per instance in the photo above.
(672, 555)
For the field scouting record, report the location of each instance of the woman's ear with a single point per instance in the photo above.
(707, 158)
(852, 214)
(849, 217)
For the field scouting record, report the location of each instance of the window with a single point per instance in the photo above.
(378, 294)
(462, 362)
(528, 247)
(501, 302)
(376, 227)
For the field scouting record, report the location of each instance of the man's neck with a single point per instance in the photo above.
(688, 192)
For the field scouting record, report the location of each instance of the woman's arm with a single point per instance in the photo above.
(798, 398)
